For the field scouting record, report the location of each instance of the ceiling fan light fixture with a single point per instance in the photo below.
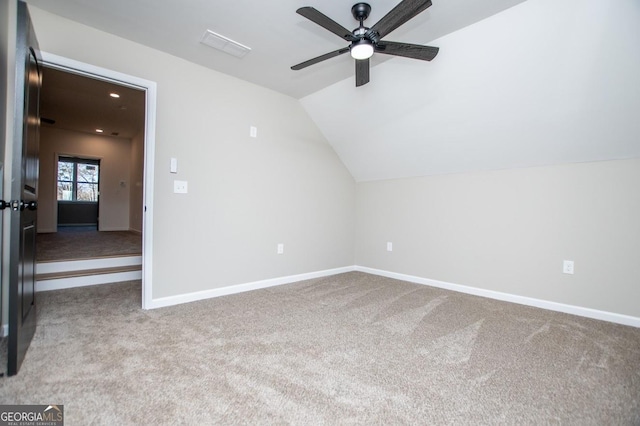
(361, 49)
(367, 40)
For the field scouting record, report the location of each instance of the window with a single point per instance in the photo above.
(78, 179)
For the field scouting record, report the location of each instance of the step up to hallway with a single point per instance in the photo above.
(78, 273)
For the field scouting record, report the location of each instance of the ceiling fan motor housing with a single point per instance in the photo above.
(361, 11)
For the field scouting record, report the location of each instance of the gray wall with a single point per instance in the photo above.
(510, 230)
(245, 195)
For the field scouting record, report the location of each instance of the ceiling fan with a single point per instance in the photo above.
(365, 41)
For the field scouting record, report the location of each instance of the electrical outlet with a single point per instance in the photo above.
(567, 267)
(280, 248)
(389, 246)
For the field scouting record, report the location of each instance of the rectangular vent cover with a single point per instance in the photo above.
(225, 44)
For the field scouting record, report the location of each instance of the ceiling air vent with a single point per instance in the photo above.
(225, 44)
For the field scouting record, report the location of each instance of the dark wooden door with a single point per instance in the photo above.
(24, 193)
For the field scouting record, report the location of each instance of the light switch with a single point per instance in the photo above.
(180, 186)
(174, 165)
(253, 131)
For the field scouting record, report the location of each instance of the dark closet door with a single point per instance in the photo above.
(24, 197)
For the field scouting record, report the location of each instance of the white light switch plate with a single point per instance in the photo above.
(389, 246)
(173, 167)
(280, 248)
(180, 186)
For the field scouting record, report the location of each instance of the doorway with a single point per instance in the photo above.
(133, 185)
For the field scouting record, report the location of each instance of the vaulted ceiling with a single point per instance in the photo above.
(277, 35)
(516, 83)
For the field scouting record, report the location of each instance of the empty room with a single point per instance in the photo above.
(392, 212)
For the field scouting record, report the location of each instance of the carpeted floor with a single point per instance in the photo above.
(348, 349)
(71, 243)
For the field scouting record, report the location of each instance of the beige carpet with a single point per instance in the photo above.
(348, 349)
(83, 243)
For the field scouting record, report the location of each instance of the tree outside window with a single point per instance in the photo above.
(78, 179)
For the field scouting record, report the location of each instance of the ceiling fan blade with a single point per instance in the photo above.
(362, 72)
(325, 22)
(404, 11)
(414, 51)
(320, 59)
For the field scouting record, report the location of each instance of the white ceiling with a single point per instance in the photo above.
(516, 83)
(278, 37)
(542, 83)
(84, 104)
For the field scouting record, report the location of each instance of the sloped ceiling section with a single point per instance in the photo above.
(544, 82)
(277, 35)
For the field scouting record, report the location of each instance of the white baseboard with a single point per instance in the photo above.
(256, 285)
(507, 297)
(240, 288)
(63, 283)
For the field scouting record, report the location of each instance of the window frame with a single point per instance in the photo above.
(74, 182)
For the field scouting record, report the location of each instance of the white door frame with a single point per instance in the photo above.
(150, 88)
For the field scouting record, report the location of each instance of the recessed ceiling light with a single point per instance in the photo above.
(114, 95)
(99, 131)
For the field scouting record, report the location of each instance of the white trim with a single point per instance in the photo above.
(64, 283)
(147, 195)
(150, 88)
(241, 288)
(82, 265)
(513, 298)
